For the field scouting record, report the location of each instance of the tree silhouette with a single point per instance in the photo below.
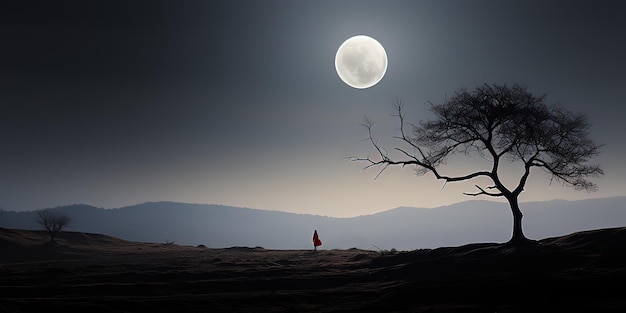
(52, 221)
(499, 123)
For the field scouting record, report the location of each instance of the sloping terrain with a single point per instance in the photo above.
(81, 272)
(405, 228)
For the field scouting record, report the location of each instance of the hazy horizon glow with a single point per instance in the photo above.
(118, 103)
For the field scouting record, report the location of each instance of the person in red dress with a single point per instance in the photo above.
(316, 240)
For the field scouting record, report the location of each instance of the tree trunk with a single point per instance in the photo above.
(518, 235)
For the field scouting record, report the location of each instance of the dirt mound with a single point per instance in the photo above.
(97, 273)
(28, 245)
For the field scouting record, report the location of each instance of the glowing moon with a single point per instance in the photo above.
(361, 62)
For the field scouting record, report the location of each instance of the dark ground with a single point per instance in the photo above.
(581, 272)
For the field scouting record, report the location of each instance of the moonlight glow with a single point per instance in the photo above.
(361, 62)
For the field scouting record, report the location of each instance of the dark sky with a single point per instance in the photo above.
(113, 103)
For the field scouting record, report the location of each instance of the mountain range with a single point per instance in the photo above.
(403, 228)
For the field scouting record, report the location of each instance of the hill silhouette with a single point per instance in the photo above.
(402, 228)
(86, 272)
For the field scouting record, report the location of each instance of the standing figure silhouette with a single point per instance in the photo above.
(316, 240)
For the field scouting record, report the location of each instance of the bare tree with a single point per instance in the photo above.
(499, 123)
(53, 221)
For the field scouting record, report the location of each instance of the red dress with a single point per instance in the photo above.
(316, 239)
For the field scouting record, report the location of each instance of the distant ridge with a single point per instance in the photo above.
(403, 228)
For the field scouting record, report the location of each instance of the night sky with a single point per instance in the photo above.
(114, 103)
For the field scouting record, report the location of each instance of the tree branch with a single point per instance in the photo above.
(484, 192)
(426, 162)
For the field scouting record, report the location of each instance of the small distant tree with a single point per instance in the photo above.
(53, 221)
(498, 123)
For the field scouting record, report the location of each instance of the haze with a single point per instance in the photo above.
(114, 103)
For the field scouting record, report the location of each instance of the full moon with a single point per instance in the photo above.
(361, 62)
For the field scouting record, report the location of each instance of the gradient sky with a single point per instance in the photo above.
(114, 103)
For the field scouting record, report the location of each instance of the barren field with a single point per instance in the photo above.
(581, 272)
